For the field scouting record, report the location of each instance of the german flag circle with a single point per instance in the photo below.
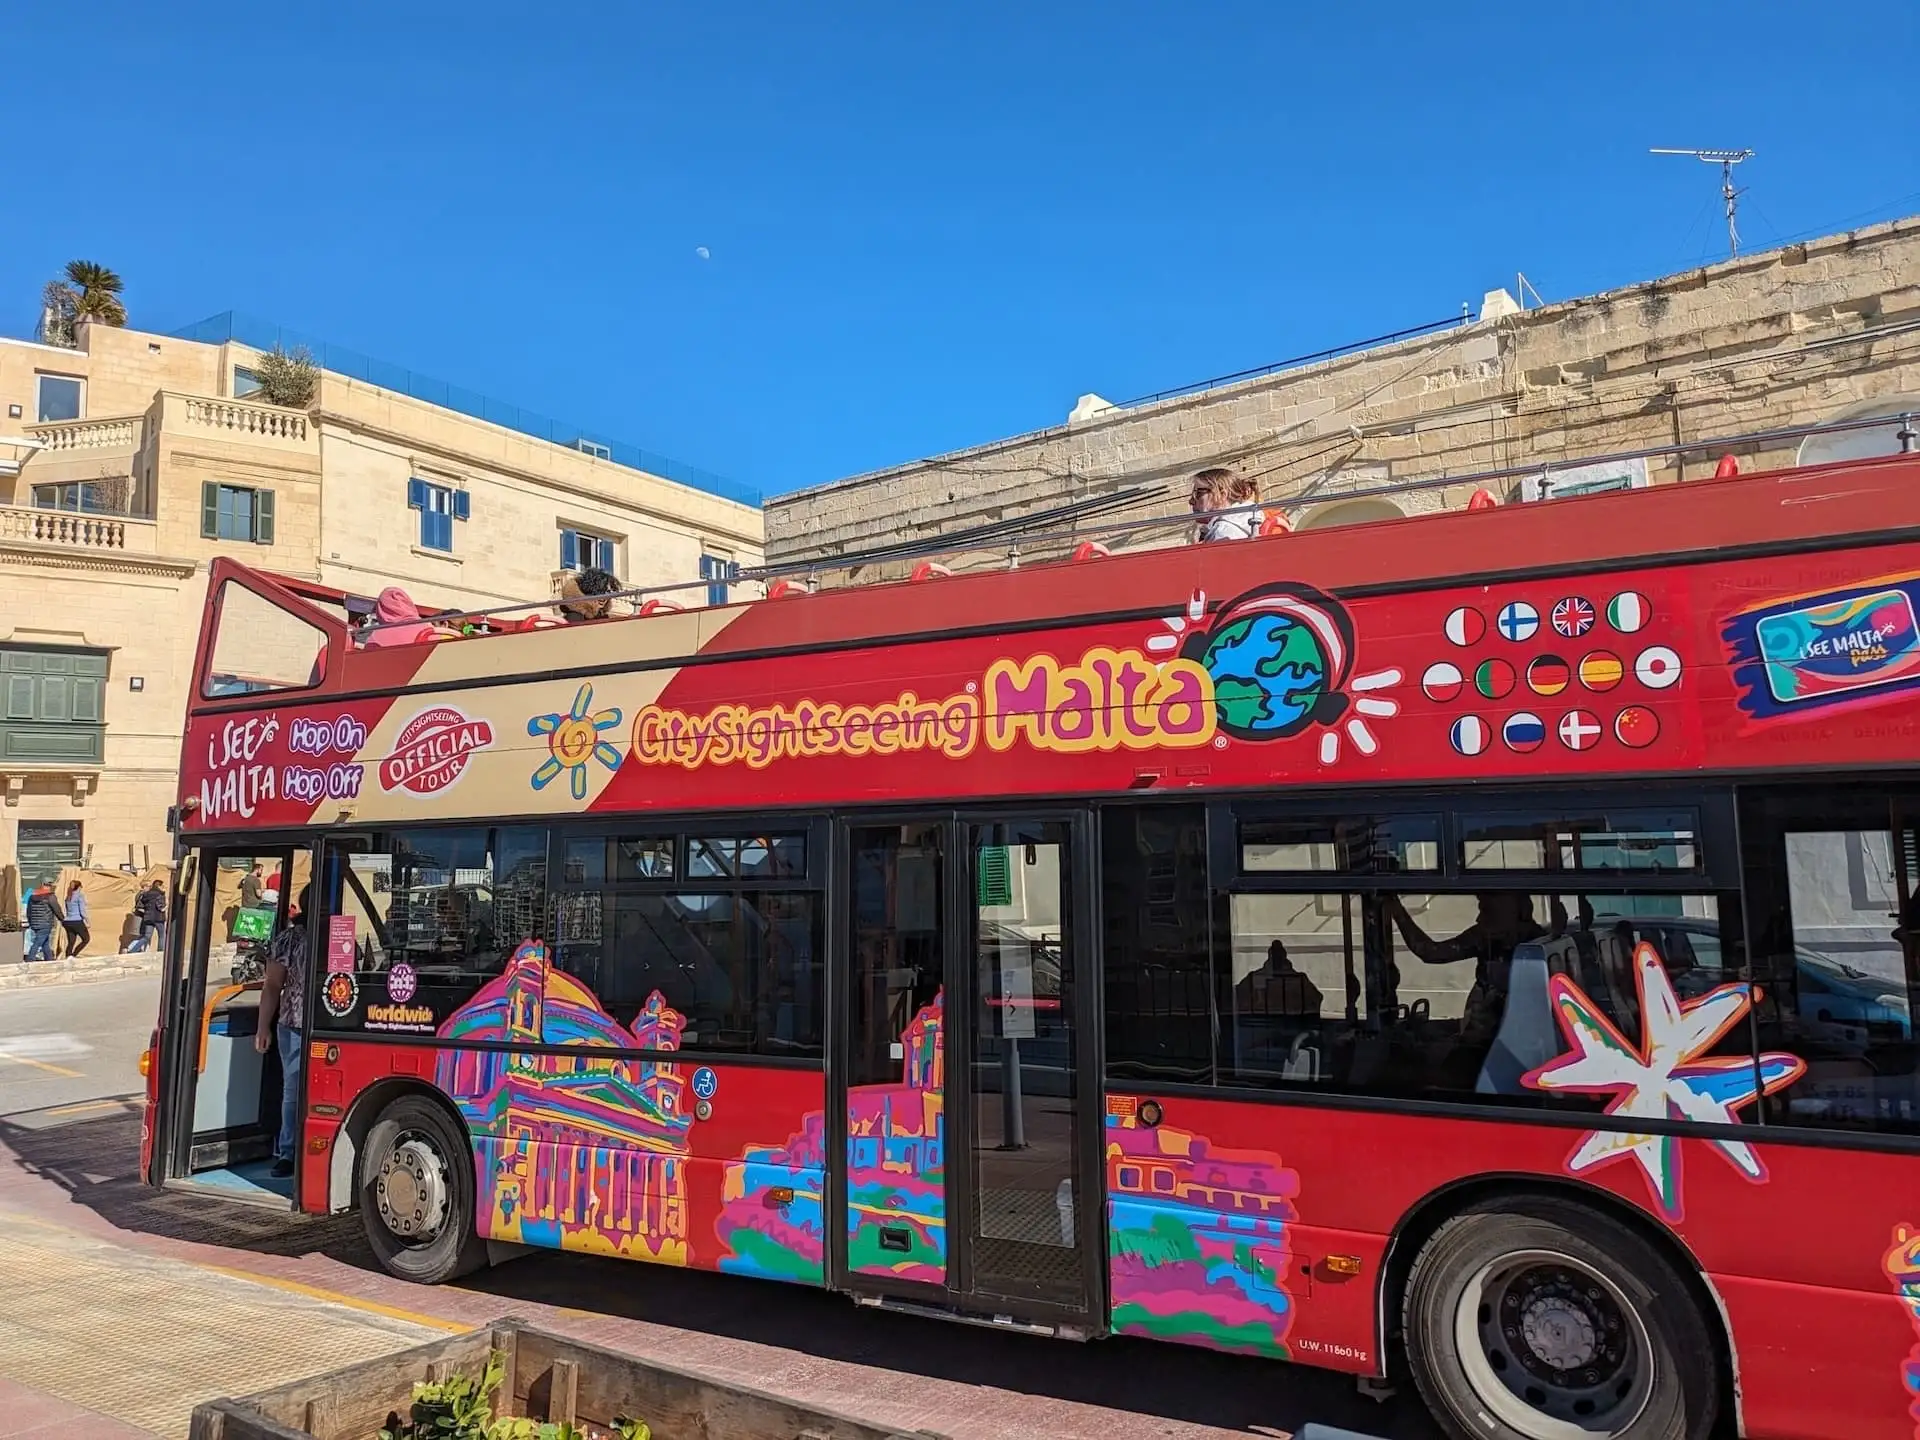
(1548, 675)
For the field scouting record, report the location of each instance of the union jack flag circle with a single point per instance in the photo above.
(1573, 617)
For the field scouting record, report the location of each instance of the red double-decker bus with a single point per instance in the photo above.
(1478, 946)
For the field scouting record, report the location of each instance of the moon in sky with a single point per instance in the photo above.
(703, 252)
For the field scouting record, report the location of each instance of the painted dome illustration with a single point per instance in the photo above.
(1278, 657)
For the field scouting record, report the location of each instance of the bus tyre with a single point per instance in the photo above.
(416, 1193)
(1542, 1319)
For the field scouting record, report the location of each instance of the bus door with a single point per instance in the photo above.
(961, 1079)
(217, 1106)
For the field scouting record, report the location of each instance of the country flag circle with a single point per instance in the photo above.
(1518, 620)
(1465, 626)
(1494, 679)
(1601, 671)
(1572, 617)
(1469, 735)
(1628, 612)
(1636, 727)
(1443, 681)
(1658, 667)
(1548, 675)
(1580, 730)
(1523, 732)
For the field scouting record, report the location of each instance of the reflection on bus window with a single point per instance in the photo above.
(1833, 888)
(429, 916)
(741, 960)
(1435, 995)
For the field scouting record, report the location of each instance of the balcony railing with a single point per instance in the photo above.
(118, 432)
(73, 531)
(238, 420)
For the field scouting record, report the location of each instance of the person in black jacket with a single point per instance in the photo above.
(43, 918)
(150, 910)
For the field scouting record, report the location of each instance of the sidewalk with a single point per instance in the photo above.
(86, 968)
(99, 1339)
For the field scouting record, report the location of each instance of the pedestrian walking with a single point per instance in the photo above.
(43, 914)
(150, 911)
(251, 887)
(73, 919)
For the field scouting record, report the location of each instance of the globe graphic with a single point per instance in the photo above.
(1269, 672)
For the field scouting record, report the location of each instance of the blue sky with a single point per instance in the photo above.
(928, 225)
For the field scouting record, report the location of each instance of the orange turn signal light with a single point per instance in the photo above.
(1342, 1264)
(146, 1063)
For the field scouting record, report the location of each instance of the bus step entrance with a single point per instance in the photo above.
(990, 1322)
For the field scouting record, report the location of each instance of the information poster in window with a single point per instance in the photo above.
(340, 945)
(1016, 990)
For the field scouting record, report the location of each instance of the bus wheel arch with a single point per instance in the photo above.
(419, 1140)
(1482, 1194)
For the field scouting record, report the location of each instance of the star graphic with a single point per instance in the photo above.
(573, 738)
(1667, 1076)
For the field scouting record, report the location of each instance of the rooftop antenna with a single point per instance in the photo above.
(1726, 160)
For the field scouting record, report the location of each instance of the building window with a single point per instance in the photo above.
(717, 571)
(439, 507)
(245, 382)
(236, 512)
(583, 550)
(60, 397)
(45, 847)
(86, 496)
(52, 702)
(593, 448)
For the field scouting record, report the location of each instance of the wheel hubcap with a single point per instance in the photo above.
(1552, 1347)
(413, 1189)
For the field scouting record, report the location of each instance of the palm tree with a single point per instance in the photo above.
(98, 296)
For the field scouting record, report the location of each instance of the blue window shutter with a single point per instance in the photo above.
(603, 556)
(460, 508)
(416, 494)
(566, 550)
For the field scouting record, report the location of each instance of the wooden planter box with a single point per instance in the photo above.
(547, 1378)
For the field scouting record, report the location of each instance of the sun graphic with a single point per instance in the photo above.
(573, 738)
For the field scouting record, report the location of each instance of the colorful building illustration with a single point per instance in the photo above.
(896, 1162)
(1199, 1239)
(576, 1151)
(1902, 1266)
(771, 1218)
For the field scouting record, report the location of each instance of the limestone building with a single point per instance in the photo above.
(128, 462)
(1803, 335)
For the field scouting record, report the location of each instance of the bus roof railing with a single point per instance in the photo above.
(1066, 525)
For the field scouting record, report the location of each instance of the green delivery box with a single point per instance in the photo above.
(253, 925)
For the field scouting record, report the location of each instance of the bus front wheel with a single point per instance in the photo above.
(416, 1194)
(1543, 1319)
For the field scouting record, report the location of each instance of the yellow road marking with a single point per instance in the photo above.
(42, 1065)
(372, 1307)
(86, 1106)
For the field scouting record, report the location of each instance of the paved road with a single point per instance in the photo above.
(69, 1044)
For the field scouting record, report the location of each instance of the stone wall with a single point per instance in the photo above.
(1795, 336)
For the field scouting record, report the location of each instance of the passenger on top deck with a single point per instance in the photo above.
(1216, 498)
(391, 612)
(583, 595)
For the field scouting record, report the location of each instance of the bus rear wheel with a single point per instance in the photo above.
(1543, 1319)
(416, 1194)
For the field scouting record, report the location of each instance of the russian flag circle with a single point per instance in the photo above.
(1523, 732)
